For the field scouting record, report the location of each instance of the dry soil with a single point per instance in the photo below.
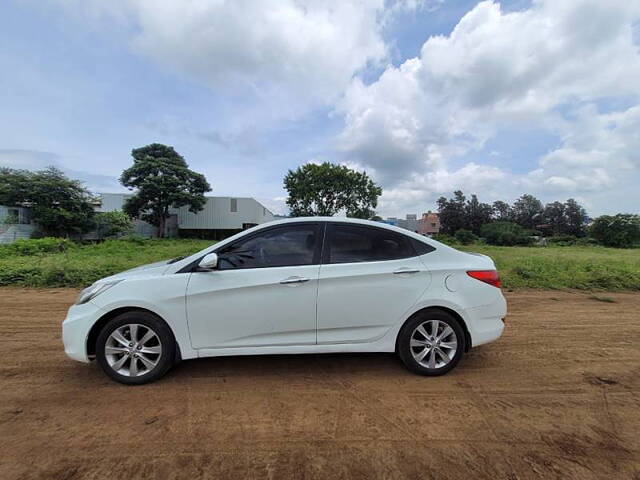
(558, 396)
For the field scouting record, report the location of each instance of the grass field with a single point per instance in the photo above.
(585, 268)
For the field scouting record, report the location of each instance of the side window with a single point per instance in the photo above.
(277, 247)
(421, 248)
(349, 244)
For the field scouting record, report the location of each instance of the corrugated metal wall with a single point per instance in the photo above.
(216, 214)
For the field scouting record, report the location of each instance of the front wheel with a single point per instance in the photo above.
(135, 348)
(431, 343)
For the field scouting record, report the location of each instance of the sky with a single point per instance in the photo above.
(426, 96)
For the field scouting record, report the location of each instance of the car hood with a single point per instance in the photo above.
(148, 270)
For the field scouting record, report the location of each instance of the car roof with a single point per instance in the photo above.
(349, 220)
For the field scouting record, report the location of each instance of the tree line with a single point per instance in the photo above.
(500, 223)
(555, 218)
(161, 179)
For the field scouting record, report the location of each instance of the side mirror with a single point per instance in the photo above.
(209, 261)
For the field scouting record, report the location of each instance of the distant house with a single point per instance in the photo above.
(220, 217)
(429, 224)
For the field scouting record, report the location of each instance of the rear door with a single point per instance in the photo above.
(369, 278)
(263, 293)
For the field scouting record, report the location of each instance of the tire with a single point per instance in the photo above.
(135, 362)
(414, 344)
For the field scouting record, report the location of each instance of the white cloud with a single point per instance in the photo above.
(547, 67)
(290, 54)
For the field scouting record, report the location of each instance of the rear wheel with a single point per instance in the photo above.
(431, 343)
(135, 348)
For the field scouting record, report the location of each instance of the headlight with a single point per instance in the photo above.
(94, 290)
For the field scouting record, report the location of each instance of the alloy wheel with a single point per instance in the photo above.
(433, 344)
(133, 350)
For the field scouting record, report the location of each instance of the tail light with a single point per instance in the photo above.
(487, 276)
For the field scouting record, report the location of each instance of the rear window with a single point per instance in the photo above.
(349, 244)
(421, 248)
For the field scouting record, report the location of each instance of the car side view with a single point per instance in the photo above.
(302, 285)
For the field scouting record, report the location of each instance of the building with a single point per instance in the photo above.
(15, 223)
(220, 217)
(410, 222)
(429, 224)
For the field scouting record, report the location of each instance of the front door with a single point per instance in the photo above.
(263, 293)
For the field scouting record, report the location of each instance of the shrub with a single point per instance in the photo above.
(621, 230)
(35, 246)
(505, 233)
(466, 237)
(562, 240)
(115, 223)
(444, 238)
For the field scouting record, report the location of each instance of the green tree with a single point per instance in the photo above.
(110, 224)
(502, 211)
(452, 213)
(621, 230)
(477, 214)
(59, 205)
(162, 180)
(326, 189)
(555, 216)
(576, 218)
(528, 211)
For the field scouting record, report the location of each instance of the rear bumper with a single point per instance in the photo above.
(76, 328)
(485, 323)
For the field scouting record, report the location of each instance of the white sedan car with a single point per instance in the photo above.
(302, 285)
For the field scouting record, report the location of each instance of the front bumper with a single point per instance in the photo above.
(76, 328)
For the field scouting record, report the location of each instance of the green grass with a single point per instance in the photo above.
(81, 265)
(551, 267)
(584, 268)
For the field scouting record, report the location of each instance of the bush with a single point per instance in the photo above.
(505, 233)
(562, 240)
(466, 237)
(37, 246)
(444, 238)
(621, 230)
(111, 224)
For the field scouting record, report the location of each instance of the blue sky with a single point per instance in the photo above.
(428, 96)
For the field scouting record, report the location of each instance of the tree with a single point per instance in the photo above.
(621, 230)
(555, 216)
(326, 189)
(502, 211)
(528, 211)
(452, 213)
(59, 205)
(576, 218)
(110, 224)
(477, 214)
(163, 180)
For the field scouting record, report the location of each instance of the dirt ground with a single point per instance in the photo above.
(558, 396)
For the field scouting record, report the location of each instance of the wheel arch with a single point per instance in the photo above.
(450, 311)
(97, 327)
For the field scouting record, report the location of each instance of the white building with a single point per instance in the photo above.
(220, 217)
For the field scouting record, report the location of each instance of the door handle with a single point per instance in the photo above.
(294, 279)
(406, 270)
